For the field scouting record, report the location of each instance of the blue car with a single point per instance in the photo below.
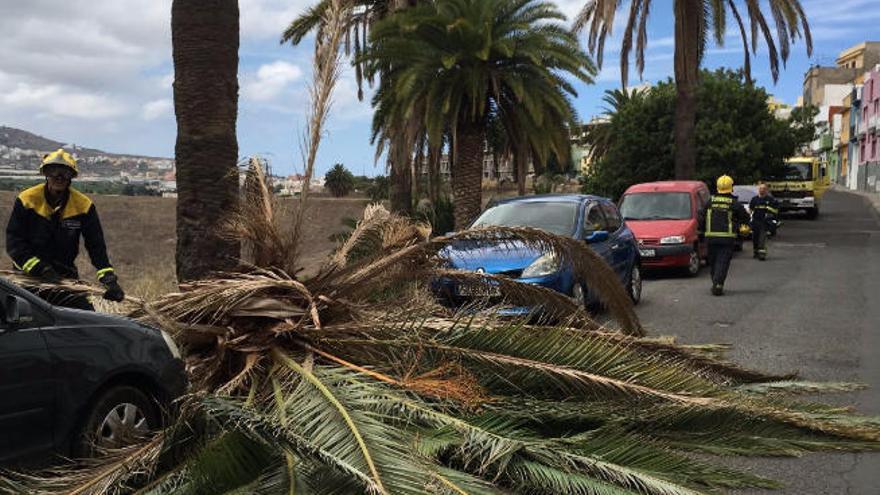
(593, 219)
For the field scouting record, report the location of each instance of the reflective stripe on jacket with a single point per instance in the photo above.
(38, 232)
(763, 207)
(723, 216)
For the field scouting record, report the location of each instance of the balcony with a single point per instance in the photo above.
(873, 123)
(826, 141)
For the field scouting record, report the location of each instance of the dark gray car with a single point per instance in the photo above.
(70, 379)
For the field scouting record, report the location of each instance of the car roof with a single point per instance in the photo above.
(553, 198)
(666, 186)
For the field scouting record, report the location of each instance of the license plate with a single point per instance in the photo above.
(479, 290)
(647, 253)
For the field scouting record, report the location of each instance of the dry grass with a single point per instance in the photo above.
(141, 239)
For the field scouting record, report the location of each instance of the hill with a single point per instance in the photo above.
(25, 140)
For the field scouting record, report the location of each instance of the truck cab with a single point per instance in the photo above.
(800, 185)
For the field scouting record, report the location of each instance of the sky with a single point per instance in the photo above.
(98, 73)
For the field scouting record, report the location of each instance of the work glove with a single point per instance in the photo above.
(114, 292)
(46, 273)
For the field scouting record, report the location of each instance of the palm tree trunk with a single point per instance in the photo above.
(204, 35)
(434, 157)
(418, 161)
(401, 181)
(688, 16)
(467, 172)
(519, 163)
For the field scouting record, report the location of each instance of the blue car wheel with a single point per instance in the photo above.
(634, 285)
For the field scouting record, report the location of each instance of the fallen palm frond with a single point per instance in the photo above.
(354, 382)
(259, 226)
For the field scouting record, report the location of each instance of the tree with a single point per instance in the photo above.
(204, 36)
(736, 134)
(339, 181)
(456, 64)
(695, 20)
(378, 189)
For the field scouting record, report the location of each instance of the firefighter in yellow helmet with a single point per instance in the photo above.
(44, 230)
(720, 223)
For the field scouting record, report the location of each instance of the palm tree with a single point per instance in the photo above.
(204, 36)
(339, 180)
(695, 20)
(362, 14)
(598, 134)
(455, 64)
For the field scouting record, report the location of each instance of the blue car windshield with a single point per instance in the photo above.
(555, 217)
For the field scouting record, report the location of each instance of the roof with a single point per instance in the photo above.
(667, 186)
(553, 198)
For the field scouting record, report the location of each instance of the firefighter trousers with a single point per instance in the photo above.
(720, 254)
(759, 238)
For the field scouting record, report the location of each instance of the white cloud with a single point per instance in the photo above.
(267, 19)
(157, 108)
(270, 80)
(58, 101)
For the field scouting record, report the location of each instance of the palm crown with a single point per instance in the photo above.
(455, 64)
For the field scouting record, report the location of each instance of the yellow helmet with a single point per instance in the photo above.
(724, 184)
(60, 157)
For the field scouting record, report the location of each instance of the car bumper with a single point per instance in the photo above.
(450, 292)
(665, 256)
(797, 203)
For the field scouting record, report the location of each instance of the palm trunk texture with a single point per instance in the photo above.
(467, 173)
(205, 42)
(687, 70)
(401, 178)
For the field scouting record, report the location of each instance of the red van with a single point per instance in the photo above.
(663, 217)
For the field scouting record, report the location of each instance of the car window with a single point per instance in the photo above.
(555, 217)
(594, 220)
(612, 216)
(38, 318)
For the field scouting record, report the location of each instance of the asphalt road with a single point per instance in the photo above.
(813, 307)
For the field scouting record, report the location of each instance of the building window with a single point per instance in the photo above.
(874, 148)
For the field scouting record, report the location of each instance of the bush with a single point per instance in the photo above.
(379, 189)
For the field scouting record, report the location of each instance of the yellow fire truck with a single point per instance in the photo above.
(800, 185)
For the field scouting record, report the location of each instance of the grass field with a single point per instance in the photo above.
(141, 239)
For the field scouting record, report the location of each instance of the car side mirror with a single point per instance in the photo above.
(18, 311)
(596, 236)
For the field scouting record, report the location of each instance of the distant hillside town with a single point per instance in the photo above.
(102, 172)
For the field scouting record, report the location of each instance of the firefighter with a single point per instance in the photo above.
(764, 210)
(43, 233)
(720, 223)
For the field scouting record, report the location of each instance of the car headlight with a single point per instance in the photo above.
(172, 346)
(545, 265)
(673, 239)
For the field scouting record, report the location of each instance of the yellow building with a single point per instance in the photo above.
(844, 139)
(861, 57)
